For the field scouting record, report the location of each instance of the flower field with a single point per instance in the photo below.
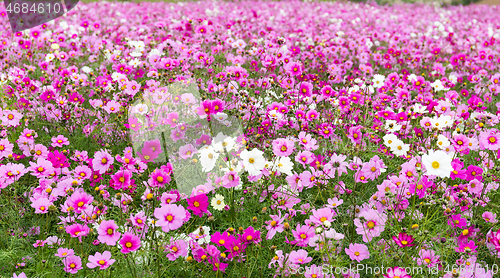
(251, 139)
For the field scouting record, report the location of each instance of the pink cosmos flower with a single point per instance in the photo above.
(78, 230)
(489, 216)
(293, 69)
(283, 147)
(129, 243)
(107, 232)
(72, 264)
(102, 261)
(11, 118)
(10, 173)
(159, 178)
(134, 124)
(41, 205)
(231, 179)
(170, 217)
(250, 235)
(198, 204)
(112, 107)
(79, 201)
(172, 119)
(5, 148)
(102, 161)
(187, 151)
(177, 248)
(42, 168)
(490, 140)
(396, 272)
(299, 257)
(305, 158)
(303, 234)
(121, 179)
(64, 252)
(427, 258)
(357, 252)
(372, 225)
(21, 275)
(39, 243)
(59, 141)
(319, 216)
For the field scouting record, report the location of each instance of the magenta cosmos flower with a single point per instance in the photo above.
(170, 217)
(102, 161)
(102, 261)
(357, 252)
(108, 232)
(72, 264)
(403, 240)
(198, 204)
(129, 243)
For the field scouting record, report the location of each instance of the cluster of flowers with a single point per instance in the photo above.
(356, 133)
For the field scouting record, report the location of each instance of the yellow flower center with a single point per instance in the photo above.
(435, 165)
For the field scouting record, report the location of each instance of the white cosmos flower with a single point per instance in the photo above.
(49, 57)
(253, 161)
(284, 165)
(442, 141)
(221, 116)
(141, 109)
(437, 85)
(437, 163)
(390, 139)
(378, 80)
(419, 108)
(208, 158)
(392, 126)
(399, 148)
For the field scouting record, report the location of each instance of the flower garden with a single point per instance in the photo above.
(251, 139)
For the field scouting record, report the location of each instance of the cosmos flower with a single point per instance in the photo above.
(253, 161)
(129, 243)
(357, 252)
(170, 217)
(102, 261)
(102, 161)
(437, 163)
(108, 232)
(72, 264)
